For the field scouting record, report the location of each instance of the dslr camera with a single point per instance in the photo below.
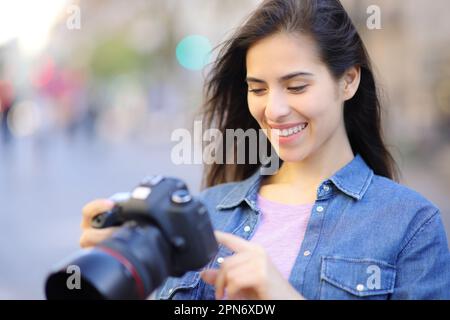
(164, 231)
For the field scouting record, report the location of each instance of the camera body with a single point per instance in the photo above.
(164, 231)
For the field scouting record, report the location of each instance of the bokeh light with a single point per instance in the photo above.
(194, 52)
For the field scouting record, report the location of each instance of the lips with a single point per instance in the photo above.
(288, 130)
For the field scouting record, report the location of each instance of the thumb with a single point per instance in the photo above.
(209, 276)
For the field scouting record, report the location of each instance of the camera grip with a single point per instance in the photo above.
(106, 219)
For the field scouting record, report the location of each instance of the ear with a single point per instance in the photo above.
(351, 80)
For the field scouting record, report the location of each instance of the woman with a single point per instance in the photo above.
(330, 223)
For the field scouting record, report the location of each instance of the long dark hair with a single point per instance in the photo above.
(340, 47)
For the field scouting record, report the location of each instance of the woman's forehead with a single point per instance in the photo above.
(282, 54)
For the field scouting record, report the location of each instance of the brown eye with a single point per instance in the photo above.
(297, 89)
(257, 91)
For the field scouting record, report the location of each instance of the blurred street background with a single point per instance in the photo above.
(90, 92)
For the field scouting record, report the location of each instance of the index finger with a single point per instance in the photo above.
(231, 241)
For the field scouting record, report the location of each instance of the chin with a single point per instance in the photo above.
(292, 155)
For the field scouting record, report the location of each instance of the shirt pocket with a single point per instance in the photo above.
(355, 278)
(181, 288)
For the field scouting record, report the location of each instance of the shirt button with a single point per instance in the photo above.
(247, 228)
(219, 260)
(326, 188)
(306, 253)
(360, 287)
(319, 209)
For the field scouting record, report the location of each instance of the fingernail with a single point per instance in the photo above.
(108, 202)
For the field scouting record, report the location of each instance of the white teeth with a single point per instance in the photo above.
(290, 131)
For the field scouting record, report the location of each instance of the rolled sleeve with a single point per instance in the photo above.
(423, 266)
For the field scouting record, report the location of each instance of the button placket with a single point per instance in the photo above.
(249, 225)
(324, 191)
(311, 238)
(318, 209)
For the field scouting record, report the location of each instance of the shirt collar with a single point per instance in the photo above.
(243, 191)
(353, 180)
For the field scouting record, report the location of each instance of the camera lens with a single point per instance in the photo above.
(129, 265)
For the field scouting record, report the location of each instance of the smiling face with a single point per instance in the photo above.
(293, 95)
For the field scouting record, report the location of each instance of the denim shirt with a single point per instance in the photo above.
(367, 238)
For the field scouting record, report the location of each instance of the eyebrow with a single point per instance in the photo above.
(283, 78)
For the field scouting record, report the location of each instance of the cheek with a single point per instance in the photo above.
(325, 119)
(322, 106)
(324, 115)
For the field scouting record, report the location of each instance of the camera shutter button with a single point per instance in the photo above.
(181, 196)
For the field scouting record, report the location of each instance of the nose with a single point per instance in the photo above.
(277, 107)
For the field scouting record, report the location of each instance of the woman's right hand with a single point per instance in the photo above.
(90, 237)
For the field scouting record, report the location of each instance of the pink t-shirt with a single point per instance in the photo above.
(281, 230)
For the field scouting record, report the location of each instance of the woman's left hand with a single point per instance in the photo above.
(248, 273)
